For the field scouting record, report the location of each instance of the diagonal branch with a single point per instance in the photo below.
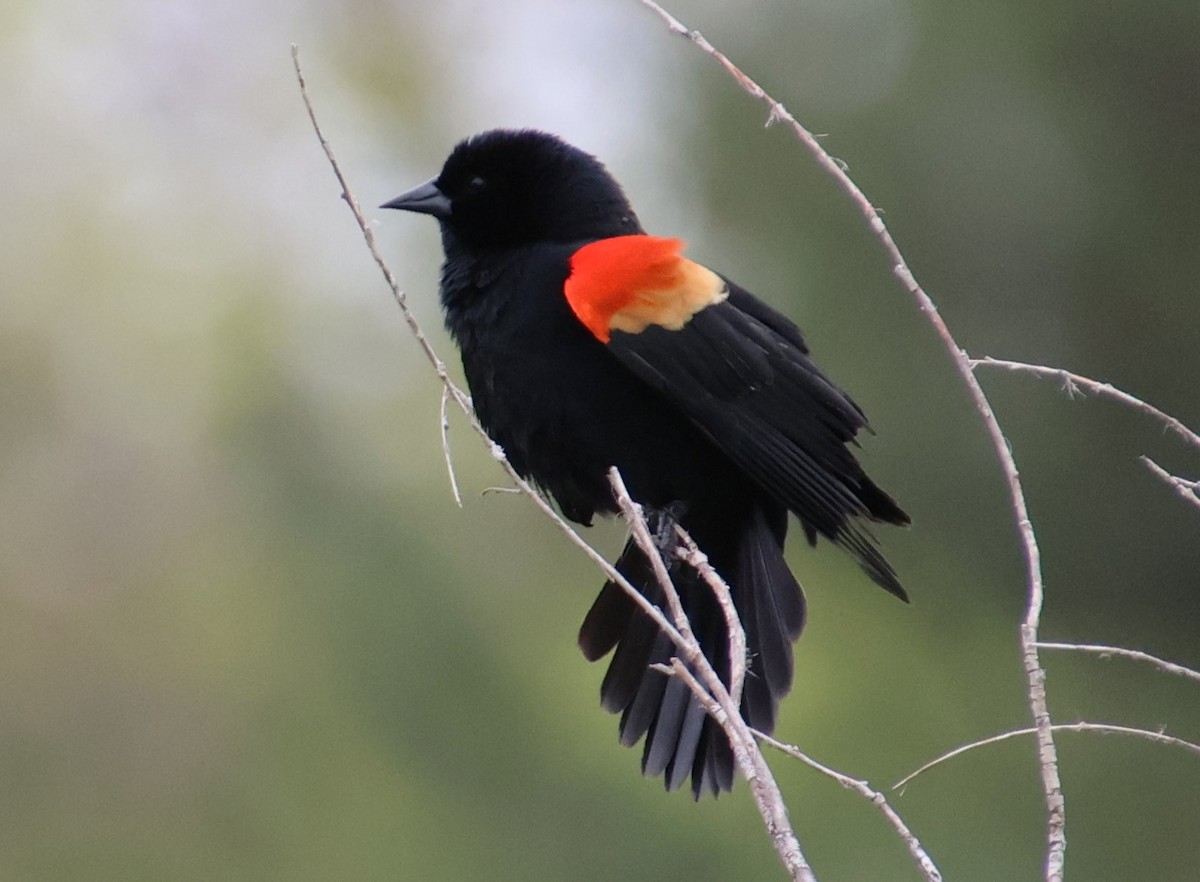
(1056, 841)
(1187, 490)
(460, 397)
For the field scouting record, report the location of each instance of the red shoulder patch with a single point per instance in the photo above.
(630, 282)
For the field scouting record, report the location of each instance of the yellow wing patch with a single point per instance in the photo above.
(627, 283)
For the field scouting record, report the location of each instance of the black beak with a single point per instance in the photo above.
(425, 199)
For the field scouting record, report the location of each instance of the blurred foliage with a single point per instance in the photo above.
(246, 634)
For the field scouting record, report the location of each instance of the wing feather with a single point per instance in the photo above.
(742, 374)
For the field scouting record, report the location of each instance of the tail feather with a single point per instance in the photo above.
(775, 608)
(606, 620)
(640, 713)
(611, 623)
(694, 725)
(663, 738)
(680, 739)
(626, 671)
(715, 755)
(881, 505)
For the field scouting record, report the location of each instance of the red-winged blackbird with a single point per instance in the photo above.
(586, 344)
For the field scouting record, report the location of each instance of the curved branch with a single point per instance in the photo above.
(1056, 841)
(1100, 728)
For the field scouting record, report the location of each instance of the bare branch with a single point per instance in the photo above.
(924, 862)
(1056, 841)
(1188, 490)
(1137, 655)
(1072, 383)
(439, 366)
(1099, 728)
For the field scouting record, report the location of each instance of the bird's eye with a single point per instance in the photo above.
(476, 184)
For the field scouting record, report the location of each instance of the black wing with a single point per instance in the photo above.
(742, 374)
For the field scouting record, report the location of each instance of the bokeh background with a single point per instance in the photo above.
(245, 633)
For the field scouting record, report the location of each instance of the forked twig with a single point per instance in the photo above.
(1056, 840)
(920, 855)
(722, 703)
(1073, 383)
(1187, 490)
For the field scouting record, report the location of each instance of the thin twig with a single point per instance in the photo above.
(1056, 840)
(924, 862)
(445, 421)
(691, 554)
(1188, 490)
(1072, 383)
(1137, 655)
(400, 297)
(1100, 728)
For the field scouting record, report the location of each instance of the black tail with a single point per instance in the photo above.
(680, 738)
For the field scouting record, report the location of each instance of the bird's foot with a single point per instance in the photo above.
(662, 522)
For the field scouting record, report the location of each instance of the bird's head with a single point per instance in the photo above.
(506, 188)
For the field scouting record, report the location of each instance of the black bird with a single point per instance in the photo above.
(587, 344)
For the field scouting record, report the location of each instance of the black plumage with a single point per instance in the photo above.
(723, 425)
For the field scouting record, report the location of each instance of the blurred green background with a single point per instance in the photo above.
(246, 634)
